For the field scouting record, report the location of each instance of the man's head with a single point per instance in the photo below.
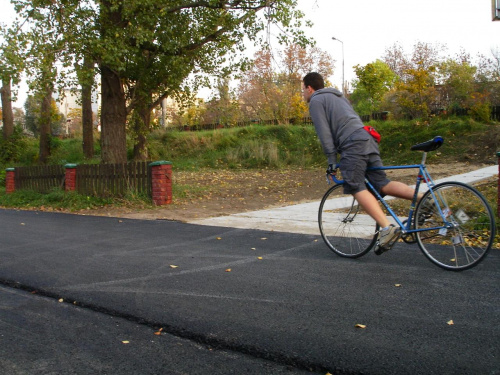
(310, 83)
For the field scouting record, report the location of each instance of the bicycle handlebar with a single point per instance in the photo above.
(333, 176)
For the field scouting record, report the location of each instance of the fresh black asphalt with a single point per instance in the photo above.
(231, 301)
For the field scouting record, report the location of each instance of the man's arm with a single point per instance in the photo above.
(323, 130)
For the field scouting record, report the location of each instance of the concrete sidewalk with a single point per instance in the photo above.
(303, 218)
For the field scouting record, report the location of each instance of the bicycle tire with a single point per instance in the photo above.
(345, 228)
(470, 231)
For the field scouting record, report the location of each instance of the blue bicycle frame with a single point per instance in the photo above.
(422, 176)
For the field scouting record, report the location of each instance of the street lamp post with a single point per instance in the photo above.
(343, 86)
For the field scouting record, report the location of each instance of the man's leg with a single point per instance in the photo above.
(389, 234)
(399, 190)
(370, 204)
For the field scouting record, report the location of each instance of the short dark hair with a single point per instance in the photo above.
(315, 80)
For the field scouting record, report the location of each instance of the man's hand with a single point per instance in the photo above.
(331, 169)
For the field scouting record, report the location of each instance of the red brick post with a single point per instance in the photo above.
(161, 182)
(10, 180)
(70, 177)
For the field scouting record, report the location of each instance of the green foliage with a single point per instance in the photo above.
(479, 107)
(56, 199)
(32, 108)
(374, 80)
(465, 140)
(278, 146)
(153, 48)
(458, 81)
(12, 148)
(66, 151)
(416, 93)
(250, 147)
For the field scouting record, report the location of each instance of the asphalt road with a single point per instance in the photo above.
(231, 301)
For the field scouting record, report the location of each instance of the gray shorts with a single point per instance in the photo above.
(359, 152)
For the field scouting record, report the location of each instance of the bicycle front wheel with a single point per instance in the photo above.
(460, 236)
(346, 229)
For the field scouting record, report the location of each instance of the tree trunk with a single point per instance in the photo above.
(45, 120)
(113, 118)
(7, 115)
(87, 125)
(164, 113)
(141, 130)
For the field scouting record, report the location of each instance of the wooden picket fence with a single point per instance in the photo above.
(40, 178)
(113, 179)
(101, 180)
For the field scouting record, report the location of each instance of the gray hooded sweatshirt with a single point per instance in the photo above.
(334, 120)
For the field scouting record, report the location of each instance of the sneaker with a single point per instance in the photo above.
(387, 238)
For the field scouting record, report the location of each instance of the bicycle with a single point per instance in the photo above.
(453, 224)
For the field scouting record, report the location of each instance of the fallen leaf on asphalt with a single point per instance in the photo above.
(228, 270)
(360, 326)
(172, 266)
(260, 258)
(158, 333)
(450, 322)
(61, 300)
(219, 238)
(397, 285)
(126, 342)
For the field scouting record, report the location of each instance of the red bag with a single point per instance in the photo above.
(375, 134)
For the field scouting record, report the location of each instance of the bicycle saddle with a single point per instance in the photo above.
(431, 145)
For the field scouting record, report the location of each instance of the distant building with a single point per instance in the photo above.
(70, 106)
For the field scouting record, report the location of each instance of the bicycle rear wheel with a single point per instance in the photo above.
(346, 229)
(463, 238)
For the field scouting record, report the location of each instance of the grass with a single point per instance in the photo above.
(257, 147)
(282, 146)
(55, 200)
(272, 146)
(251, 147)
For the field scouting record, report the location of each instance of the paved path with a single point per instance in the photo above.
(303, 218)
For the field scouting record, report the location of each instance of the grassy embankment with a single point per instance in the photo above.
(273, 147)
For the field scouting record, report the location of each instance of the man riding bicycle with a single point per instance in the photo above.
(340, 131)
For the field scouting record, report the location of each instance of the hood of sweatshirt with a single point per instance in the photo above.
(328, 90)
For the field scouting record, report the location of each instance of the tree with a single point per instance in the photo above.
(10, 67)
(145, 50)
(424, 56)
(374, 80)
(223, 108)
(269, 92)
(7, 114)
(458, 81)
(488, 76)
(32, 116)
(85, 73)
(415, 93)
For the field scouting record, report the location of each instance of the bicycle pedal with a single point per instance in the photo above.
(380, 250)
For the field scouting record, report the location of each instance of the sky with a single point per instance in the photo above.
(367, 28)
